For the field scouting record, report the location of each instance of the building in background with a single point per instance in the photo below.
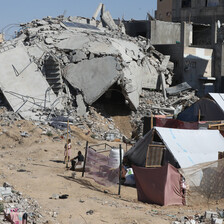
(204, 11)
(164, 10)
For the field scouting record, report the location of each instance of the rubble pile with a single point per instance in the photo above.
(208, 217)
(74, 62)
(153, 103)
(12, 200)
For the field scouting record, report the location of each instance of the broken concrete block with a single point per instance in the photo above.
(132, 84)
(92, 77)
(164, 63)
(150, 75)
(22, 84)
(78, 56)
(97, 11)
(108, 20)
(49, 40)
(178, 88)
(128, 50)
(75, 41)
(100, 47)
(81, 108)
(210, 214)
(217, 221)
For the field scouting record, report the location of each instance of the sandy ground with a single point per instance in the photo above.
(41, 156)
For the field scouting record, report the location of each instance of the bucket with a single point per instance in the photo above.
(114, 157)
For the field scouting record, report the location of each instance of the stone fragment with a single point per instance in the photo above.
(92, 77)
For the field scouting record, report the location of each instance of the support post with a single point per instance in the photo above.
(119, 188)
(67, 144)
(84, 165)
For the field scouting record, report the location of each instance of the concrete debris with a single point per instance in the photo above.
(153, 103)
(14, 200)
(208, 217)
(61, 66)
(93, 77)
(178, 88)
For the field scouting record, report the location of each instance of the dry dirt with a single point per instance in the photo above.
(41, 157)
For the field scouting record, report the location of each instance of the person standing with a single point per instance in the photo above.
(67, 152)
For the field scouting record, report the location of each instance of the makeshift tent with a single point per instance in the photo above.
(182, 148)
(205, 179)
(209, 108)
(165, 190)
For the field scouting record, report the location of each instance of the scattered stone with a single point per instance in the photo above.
(90, 212)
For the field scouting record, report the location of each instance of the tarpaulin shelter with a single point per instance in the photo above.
(209, 108)
(165, 190)
(179, 147)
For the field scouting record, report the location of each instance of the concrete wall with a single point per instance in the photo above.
(203, 11)
(174, 50)
(164, 10)
(137, 27)
(197, 64)
(164, 32)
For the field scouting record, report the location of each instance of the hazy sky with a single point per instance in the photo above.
(20, 11)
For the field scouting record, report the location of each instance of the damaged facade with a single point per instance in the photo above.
(205, 11)
(195, 49)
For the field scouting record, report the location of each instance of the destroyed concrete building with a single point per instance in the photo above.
(67, 64)
(195, 49)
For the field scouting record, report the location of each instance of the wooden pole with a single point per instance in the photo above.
(67, 144)
(151, 121)
(84, 165)
(199, 115)
(119, 188)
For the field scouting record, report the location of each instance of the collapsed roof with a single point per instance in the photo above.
(80, 53)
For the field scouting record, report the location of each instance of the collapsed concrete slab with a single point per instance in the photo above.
(75, 41)
(22, 84)
(92, 77)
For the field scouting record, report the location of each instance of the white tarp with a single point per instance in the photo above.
(22, 83)
(190, 147)
(219, 99)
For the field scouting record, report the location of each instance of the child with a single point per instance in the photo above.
(67, 152)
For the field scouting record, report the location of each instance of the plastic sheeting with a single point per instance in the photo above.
(190, 147)
(165, 190)
(210, 110)
(206, 179)
(99, 169)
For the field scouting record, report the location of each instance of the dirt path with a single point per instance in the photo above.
(40, 158)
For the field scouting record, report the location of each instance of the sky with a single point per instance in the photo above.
(22, 11)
